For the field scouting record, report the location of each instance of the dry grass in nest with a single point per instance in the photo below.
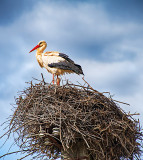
(49, 118)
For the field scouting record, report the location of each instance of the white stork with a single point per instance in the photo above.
(55, 62)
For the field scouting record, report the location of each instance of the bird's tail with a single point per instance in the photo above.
(79, 71)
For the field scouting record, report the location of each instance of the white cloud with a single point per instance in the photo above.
(68, 24)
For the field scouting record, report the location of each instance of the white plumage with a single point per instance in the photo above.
(50, 59)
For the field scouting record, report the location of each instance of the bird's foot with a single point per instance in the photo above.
(58, 81)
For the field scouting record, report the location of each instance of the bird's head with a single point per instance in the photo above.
(41, 45)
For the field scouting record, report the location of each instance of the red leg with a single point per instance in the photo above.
(58, 80)
(53, 79)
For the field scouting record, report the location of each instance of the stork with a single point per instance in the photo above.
(55, 62)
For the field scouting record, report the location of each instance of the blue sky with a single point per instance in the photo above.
(104, 37)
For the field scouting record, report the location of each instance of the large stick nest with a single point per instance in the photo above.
(49, 118)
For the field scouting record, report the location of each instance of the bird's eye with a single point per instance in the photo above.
(40, 43)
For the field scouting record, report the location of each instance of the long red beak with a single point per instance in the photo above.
(35, 48)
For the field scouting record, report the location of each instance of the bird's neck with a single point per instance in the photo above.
(40, 50)
(39, 55)
(39, 58)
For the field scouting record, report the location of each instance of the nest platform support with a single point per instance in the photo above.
(77, 151)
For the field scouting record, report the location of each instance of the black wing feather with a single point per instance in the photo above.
(67, 66)
(60, 65)
(66, 57)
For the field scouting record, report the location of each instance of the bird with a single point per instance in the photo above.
(55, 62)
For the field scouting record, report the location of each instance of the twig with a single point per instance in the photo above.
(13, 153)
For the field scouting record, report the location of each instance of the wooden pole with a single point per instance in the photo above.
(78, 151)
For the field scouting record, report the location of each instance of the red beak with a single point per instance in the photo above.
(35, 48)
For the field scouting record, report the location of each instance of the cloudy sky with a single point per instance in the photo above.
(104, 37)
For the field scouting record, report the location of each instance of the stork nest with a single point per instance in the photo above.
(49, 118)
